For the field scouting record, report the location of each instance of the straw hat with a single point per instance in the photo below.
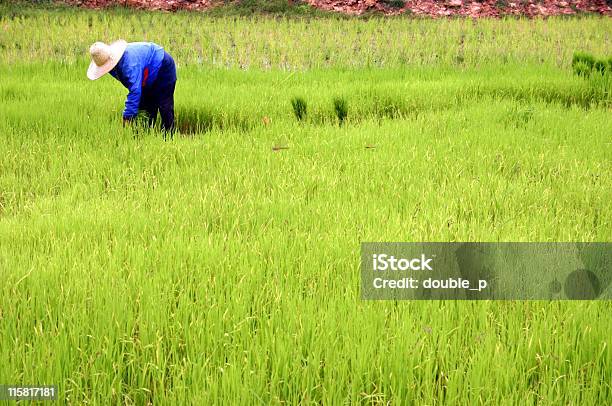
(104, 58)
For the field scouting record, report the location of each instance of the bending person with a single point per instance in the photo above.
(146, 70)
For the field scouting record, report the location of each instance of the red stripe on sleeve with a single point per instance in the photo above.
(145, 76)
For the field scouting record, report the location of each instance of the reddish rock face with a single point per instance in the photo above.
(433, 8)
(469, 8)
(168, 5)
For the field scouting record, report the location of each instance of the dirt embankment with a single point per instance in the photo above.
(432, 8)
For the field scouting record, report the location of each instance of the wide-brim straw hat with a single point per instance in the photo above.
(104, 57)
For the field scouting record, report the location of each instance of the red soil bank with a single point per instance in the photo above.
(432, 8)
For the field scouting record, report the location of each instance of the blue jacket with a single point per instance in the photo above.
(137, 69)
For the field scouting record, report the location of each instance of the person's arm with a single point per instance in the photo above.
(133, 73)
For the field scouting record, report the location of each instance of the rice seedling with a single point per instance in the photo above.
(585, 65)
(299, 108)
(341, 109)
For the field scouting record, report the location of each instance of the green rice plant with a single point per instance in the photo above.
(601, 67)
(597, 72)
(242, 40)
(299, 108)
(341, 109)
(583, 58)
(142, 124)
(582, 69)
(519, 116)
(191, 121)
(585, 64)
(10, 93)
(157, 253)
(389, 106)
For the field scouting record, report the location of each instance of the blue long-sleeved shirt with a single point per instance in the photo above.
(137, 68)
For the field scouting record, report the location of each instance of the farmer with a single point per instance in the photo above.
(146, 70)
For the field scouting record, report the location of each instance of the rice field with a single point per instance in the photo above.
(222, 266)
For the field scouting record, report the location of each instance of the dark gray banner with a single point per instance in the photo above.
(486, 271)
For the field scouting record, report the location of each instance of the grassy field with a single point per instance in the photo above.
(222, 267)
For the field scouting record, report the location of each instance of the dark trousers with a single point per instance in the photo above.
(159, 96)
